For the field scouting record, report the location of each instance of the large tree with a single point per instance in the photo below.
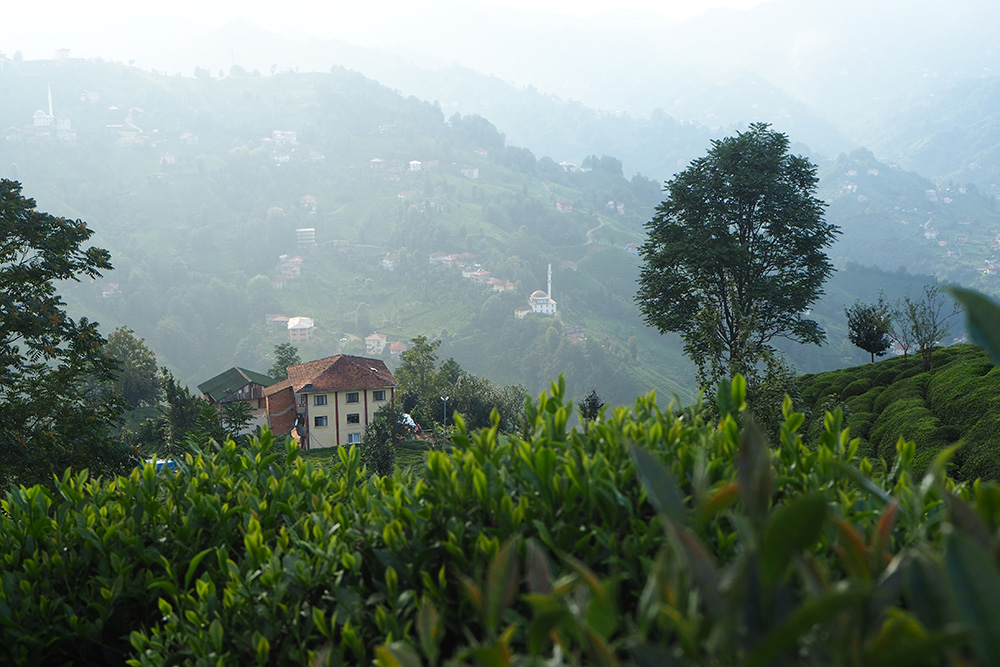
(137, 380)
(50, 417)
(285, 355)
(736, 253)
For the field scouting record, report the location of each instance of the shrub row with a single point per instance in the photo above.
(651, 536)
(958, 400)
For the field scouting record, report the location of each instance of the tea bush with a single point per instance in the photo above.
(957, 400)
(652, 536)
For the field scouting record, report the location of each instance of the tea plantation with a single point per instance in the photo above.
(957, 400)
(652, 536)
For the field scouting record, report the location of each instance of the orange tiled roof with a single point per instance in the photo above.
(341, 372)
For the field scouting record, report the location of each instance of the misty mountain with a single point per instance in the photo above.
(950, 134)
(198, 187)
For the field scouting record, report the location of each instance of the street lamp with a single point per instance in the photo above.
(445, 399)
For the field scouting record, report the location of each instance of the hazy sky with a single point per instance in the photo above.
(109, 28)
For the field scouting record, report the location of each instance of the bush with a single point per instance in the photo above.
(652, 536)
(856, 388)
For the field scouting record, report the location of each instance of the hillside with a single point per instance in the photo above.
(197, 187)
(894, 218)
(957, 400)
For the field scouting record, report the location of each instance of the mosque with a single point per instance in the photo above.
(539, 302)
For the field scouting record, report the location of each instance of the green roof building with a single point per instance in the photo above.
(236, 384)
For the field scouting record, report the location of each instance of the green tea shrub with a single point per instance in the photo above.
(887, 372)
(856, 388)
(907, 388)
(864, 402)
(909, 418)
(860, 424)
(652, 536)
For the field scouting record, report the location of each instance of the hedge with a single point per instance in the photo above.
(652, 536)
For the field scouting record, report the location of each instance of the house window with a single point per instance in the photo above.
(320, 420)
(354, 418)
(319, 399)
(378, 395)
(354, 438)
(352, 397)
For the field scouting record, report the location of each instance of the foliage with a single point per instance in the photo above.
(926, 320)
(49, 363)
(590, 406)
(180, 411)
(381, 437)
(957, 400)
(136, 377)
(416, 373)
(285, 355)
(651, 537)
(424, 381)
(736, 253)
(868, 327)
(477, 398)
(184, 419)
(236, 417)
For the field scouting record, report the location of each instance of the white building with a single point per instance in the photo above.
(305, 237)
(539, 302)
(300, 329)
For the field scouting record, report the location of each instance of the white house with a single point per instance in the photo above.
(300, 329)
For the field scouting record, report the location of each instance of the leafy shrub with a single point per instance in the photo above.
(856, 388)
(860, 424)
(652, 536)
(907, 388)
(864, 402)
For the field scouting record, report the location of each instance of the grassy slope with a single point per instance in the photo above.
(957, 400)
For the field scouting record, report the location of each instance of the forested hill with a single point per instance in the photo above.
(197, 186)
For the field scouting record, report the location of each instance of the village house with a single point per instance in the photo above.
(239, 384)
(329, 402)
(397, 349)
(300, 329)
(375, 343)
(236, 384)
(480, 277)
(305, 237)
(284, 138)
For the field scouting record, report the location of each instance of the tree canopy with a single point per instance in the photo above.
(285, 355)
(49, 362)
(868, 326)
(735, 254)
(136, 378)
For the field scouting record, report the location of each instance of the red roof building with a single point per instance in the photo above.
(329, 402)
